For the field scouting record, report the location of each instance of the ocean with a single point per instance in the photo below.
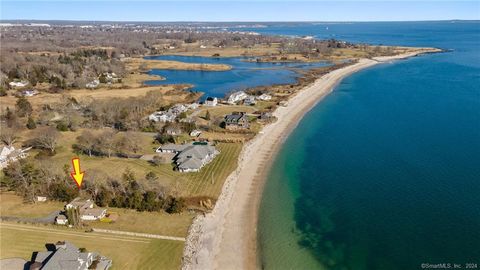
(384, 173)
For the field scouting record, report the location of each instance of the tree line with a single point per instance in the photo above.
(29, 179)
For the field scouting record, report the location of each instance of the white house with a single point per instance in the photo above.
(18, 84)
(87, 209)
(211, 101)
(61, 220)
(93, 214)
(162, 116)
(264, 97)
(236, 97)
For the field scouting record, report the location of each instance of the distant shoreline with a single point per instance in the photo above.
(226, 238)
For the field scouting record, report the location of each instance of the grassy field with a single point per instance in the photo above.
(257, 50)
(128, 219)
(207, 182)
(147, 222)
(135, 63)
(126, 252)
(13, 205)
(100, 94)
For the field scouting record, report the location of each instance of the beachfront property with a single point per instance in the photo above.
(190, 157)
(211, 101)
(264, 97)
(237, 97)
(236, 120)
(65, 255)
(283, 103)
(18, 84)
(9, 154)
(266, 117)
(250, 101)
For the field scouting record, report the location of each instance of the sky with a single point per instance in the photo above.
(246, 10)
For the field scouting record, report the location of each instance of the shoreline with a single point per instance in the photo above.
(226, 238)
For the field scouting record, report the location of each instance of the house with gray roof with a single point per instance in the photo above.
(190, 157)
(236, 120)
(65, 255)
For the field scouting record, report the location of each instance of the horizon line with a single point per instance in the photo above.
(246, 21)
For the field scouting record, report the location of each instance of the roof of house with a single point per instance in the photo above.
(194, 156)
(234, 117)
(94, 212)
(173, 147)
(66, 256)
(81, 203)
(61, 217)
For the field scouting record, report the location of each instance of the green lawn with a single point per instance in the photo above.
(13, 205)
(207, 182)
(147, 222)
(18, 240)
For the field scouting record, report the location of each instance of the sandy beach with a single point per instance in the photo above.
(226, 237)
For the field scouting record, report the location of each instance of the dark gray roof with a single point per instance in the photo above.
(234, 118)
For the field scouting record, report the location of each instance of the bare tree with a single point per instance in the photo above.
(8, 136)
(47, 139)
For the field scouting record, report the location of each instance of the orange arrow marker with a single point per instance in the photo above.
(76, 175)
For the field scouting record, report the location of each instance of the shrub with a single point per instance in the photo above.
(31, 123)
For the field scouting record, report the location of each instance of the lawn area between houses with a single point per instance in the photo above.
(147, 222)
(126, 252)
(130, 220)
(207, 182)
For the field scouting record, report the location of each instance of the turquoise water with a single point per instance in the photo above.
(384, 173)
(242, 75)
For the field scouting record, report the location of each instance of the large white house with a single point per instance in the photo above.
(265, 97)
(162, 116)
(236, 97)
(211, 101)
(172, 113)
